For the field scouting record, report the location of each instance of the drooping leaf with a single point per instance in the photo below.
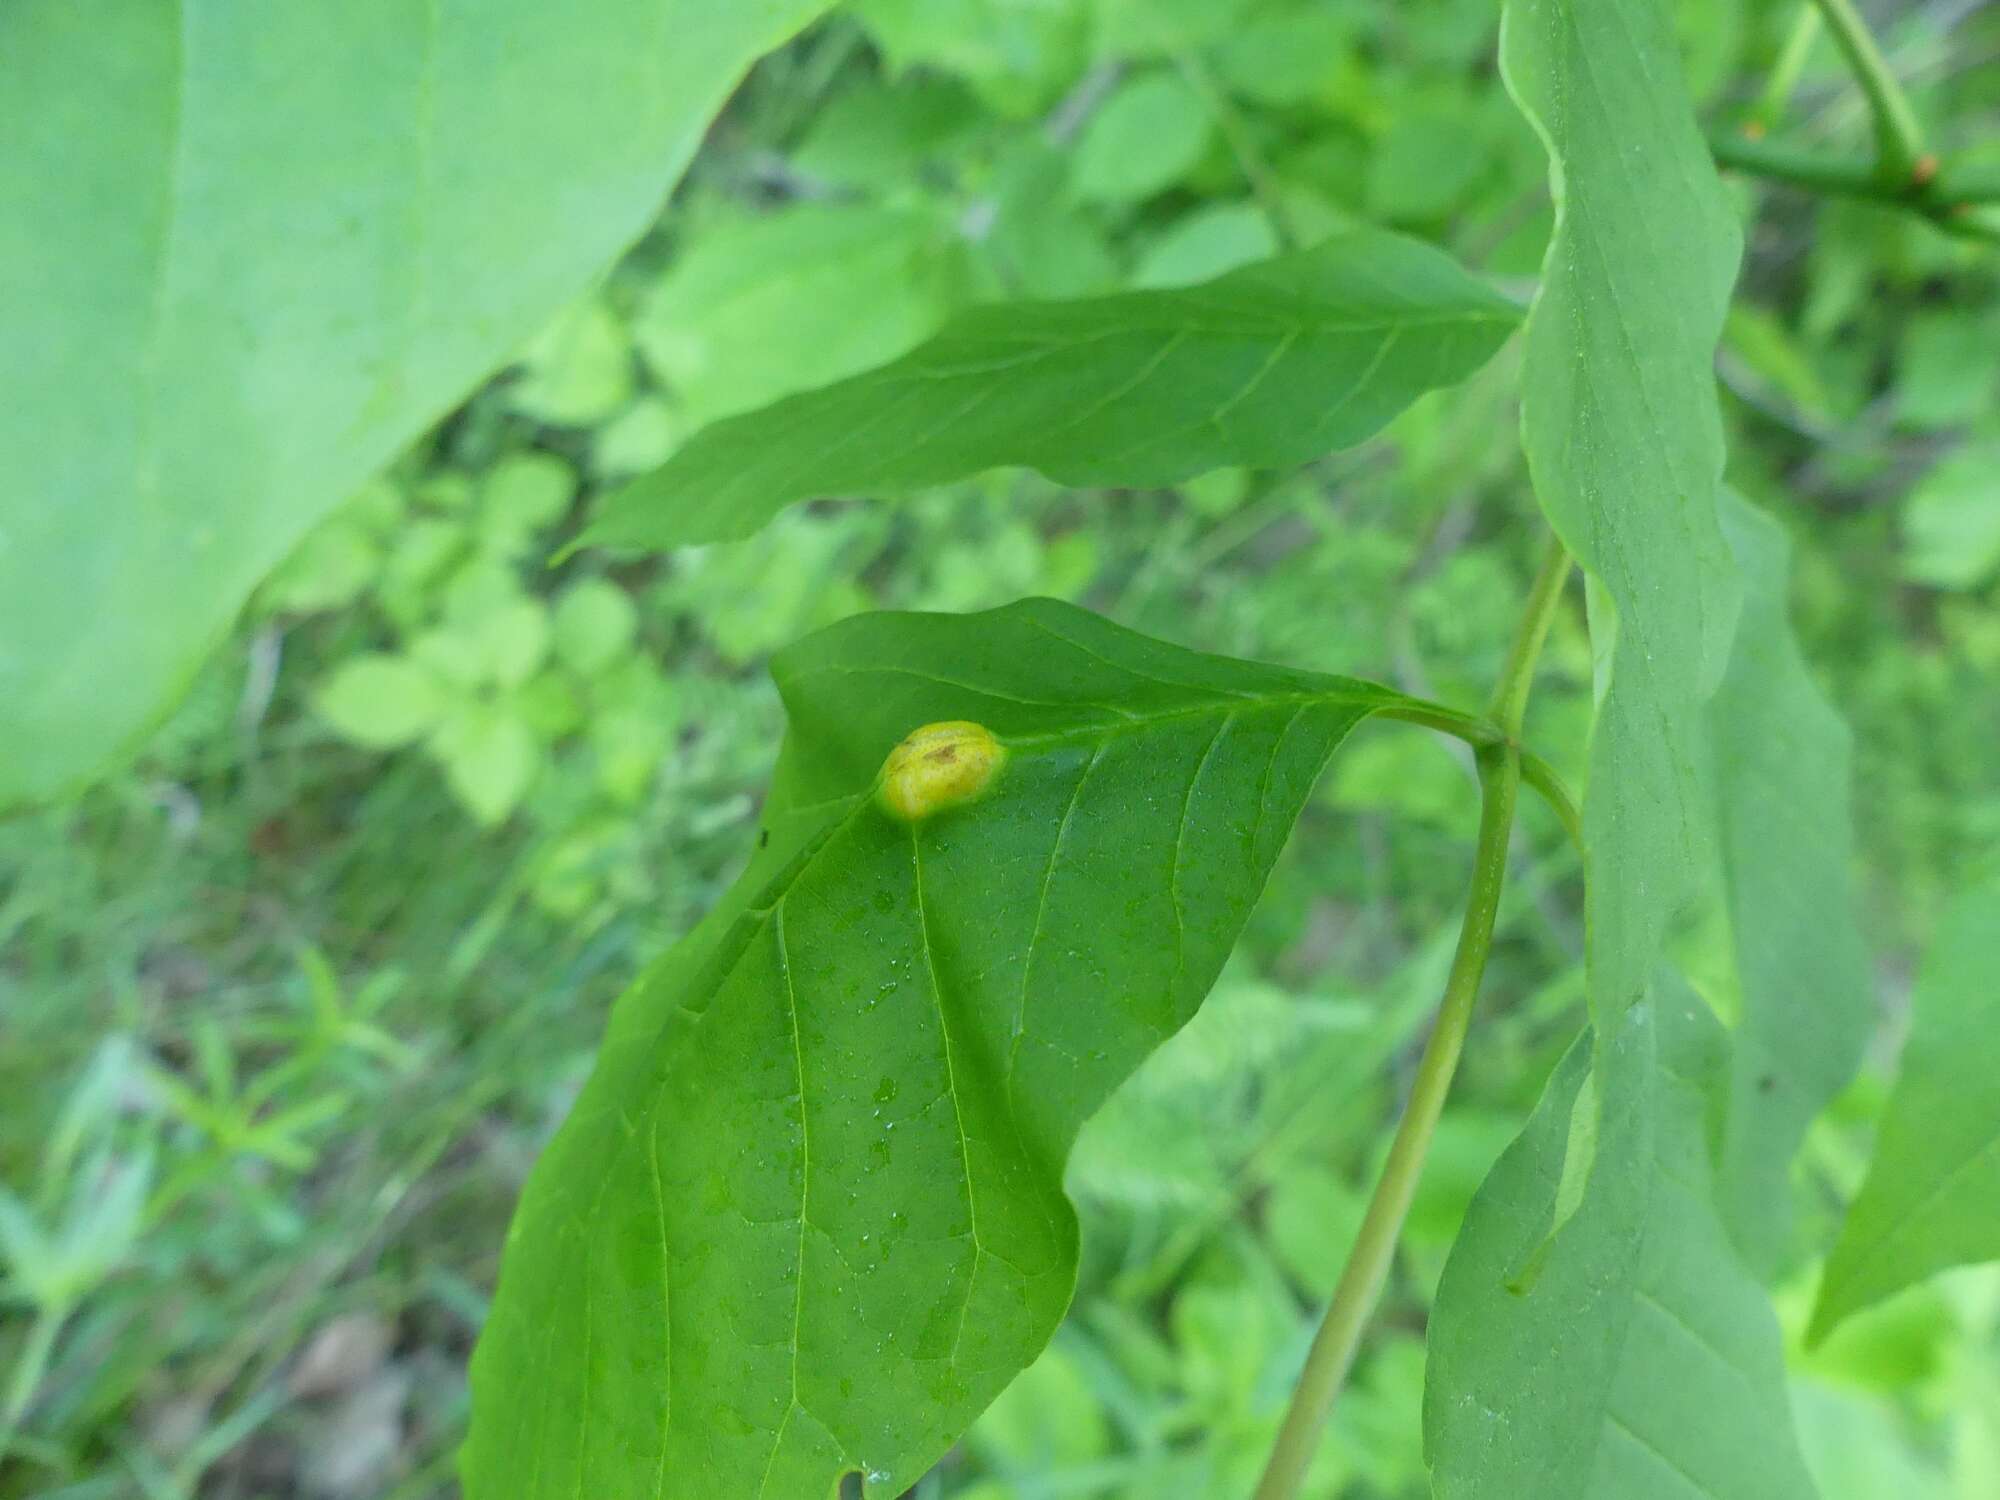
(1270, 365)
(1784, 833)
(807, 1218)
(1641, 1361)
(250, 252)
(1931, 1199)
(1624, 440)
(1597, 1336)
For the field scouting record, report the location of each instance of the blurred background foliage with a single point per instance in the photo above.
(288, 1006)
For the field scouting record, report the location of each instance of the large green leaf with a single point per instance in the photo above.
(1780, 769)
(1624, 442)
(1597, 1336)
(807, 1218)
(1270, 365)
(250, 251)
(1932, 1196)
(1641, 1361)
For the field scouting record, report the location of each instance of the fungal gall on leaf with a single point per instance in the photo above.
(939, 766)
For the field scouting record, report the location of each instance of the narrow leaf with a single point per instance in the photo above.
(1931, 1199)
(1624, 439)
(807, 1218)
(1643, 1362)
(1271, 365)
(250, 251)
(1596, 1336)
(1781, 766)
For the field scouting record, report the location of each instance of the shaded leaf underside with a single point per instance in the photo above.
(1597, 1335)
(1634, 1354)
(1642, 1362)
(1780, 766)
(1623, 438)
(807, 1218)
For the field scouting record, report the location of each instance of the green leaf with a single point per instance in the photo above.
(1624, 440)
(807, 1218)
(251, 252)
(522, 494)
(1951, 522)
(381, 701)
(1642, 1362)
(639, 438)
(1286, 59)
(1929, 1200)
(1271, 365)
(1945, 375)
(1781, 769)
(1047, 1420)
(1856, 1451)
(331, 567)
(491, 756)
(1145, 137)
(594, 623)
(881, 135)
(1016, 55)
(765, 306)
(515, 639)
(578, 370)
(1597, 1335)
(1428, 159)
(1162, 27)
(1209, 242)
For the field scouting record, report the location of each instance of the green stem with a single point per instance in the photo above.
(1841, 176)
(1538, 775)
(1361, 1282)
(1243, 146)
(1952, 199)
(1791, 62)
(1899, 139)
(1517, 674)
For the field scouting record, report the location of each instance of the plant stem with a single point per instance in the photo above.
(1842, 176)
(1339, 1336)
(1791, 62)
(1899, 139)
(1952, 199)
(1517, 675)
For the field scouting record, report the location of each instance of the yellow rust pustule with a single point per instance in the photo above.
(939, 766)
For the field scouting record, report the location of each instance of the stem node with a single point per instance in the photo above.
(1367, 1269)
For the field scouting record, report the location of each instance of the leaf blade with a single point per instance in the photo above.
(1928, 1201)
(1138, 388)
(910, 1020)
(1643, 1362)
(1623, 437)
(1780, 772)
(182, 402)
